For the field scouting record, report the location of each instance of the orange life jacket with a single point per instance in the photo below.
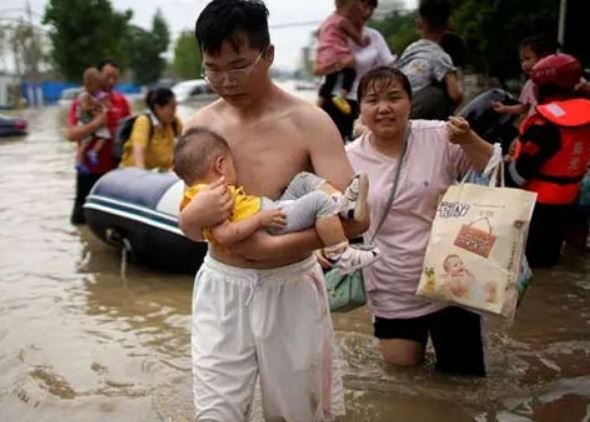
(558, 180)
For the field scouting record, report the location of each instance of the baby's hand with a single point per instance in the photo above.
(459, 130)
(322, 260)
(498, 107)
(274, 219)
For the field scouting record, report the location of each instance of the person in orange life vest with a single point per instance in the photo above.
(552, 154)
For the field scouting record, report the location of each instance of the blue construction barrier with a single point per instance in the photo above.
(48, 92)
(128, 88)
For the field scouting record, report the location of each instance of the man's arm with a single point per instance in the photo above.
(230, 232)
(326, 149)
(262, 246)
(87, 103)
(77, 132)
(328, 159)
(454, 88)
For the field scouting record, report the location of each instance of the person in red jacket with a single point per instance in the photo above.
(94, 169)
(552, 154)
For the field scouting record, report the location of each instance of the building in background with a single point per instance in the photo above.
(388, 7)
(9, 91)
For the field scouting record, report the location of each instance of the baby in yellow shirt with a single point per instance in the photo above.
(201, 156)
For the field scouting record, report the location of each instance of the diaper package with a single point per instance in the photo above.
(476, 248)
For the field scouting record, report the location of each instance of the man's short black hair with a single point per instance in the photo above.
(435, 13)
(236, 21)
(106, 62)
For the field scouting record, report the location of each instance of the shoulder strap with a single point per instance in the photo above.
(175, 127)
(151, 126)
(398, 171)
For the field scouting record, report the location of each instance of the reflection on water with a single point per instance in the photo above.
(78, 343)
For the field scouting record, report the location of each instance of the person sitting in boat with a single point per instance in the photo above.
(152, 139)
(202, 157)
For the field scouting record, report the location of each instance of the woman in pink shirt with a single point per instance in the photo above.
(437, 154)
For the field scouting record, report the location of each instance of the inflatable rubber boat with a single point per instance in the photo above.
(137, 210)
(487, 123)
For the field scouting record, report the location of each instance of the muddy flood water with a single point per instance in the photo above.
(77, 343)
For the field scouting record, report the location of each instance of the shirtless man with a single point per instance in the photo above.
(260, 308)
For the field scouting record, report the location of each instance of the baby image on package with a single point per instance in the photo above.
(461, 282)
(476, 247)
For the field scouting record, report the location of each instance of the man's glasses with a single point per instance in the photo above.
(238, 74)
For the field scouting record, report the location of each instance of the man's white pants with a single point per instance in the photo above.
(272, 323)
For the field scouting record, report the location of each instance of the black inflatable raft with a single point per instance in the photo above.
(487, 123)
(138, 209)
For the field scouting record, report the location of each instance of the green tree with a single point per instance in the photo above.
(187, 56)
(398, 29)
(160, 31)
(493, 29)
(145, 50)
(83, 32)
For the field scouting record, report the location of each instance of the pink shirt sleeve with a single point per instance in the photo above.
(527, 94)
(457, 162)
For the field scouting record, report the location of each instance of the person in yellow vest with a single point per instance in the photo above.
(152, 140)
(552, 154)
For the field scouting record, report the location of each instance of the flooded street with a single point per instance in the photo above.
(77, 343)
